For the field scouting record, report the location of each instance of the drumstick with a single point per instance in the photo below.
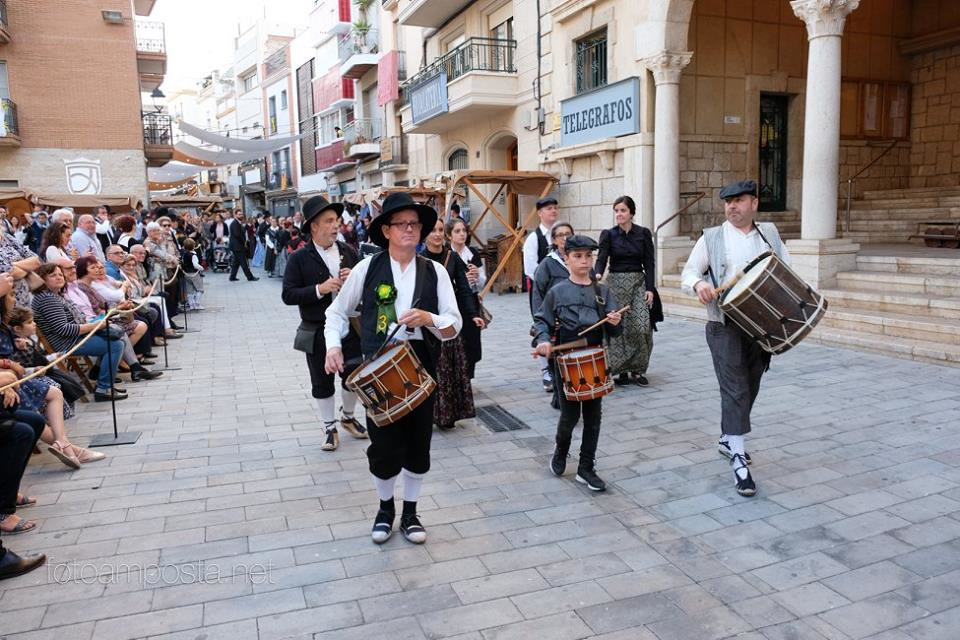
(566, 346)
(604, 321)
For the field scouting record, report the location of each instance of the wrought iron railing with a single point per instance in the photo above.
(3, 13)
(157, 128)
(860, 172)
(362, 130)
(356, 42)
(151, 36)
(10, 125)
(476, 54)
(591, 64)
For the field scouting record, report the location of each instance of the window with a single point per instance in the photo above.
(4, 82)
(501, 57)
(272, 107)
(873, 109)
(283, 100)
(459, 160)
(249, 81)
(328, 127)
(591, 62)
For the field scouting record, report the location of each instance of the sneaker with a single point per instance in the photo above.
(640, 379)
(558, 463)
(745, 486)
(547, 382)
(622, 380)
(382, 526)
(724, 448)
(332, 441)
(353, 426)
(588, 476)
(412, 530)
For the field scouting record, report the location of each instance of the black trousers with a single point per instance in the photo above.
(321, 382)
(739, 363)
(239, 261)
(570, 412)
(17, 439)
(405, 444)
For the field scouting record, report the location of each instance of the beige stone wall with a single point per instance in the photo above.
(123, 171)
(891, 171)
(935, 119)
(587, 195)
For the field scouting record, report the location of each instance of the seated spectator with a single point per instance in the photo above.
(128, 229)
(115, 255)
(84, 238)
(18, 261)
(63, 325)
(139, 288)
(163, 262)
(55, 246)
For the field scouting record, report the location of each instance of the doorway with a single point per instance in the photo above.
(772, 189)
(513, 205)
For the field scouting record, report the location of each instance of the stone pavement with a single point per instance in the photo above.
(226, 520)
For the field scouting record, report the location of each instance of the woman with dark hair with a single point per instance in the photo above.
(628, 248)
(56, 239)
(127, 226)
(457, 232)
(454, 395)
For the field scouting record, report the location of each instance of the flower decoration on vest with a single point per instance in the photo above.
(386, 311)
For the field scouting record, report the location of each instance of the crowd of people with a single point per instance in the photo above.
(101, 288)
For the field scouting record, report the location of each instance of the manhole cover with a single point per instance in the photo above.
(497, 419)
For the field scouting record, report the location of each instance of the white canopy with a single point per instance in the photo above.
(261, 147)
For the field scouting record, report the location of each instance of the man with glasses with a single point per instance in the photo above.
(238, 247)
(115, 258)
(397, 288)
(85, 240)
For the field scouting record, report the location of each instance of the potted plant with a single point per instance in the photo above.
(360, 30)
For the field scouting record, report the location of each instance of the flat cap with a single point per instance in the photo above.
(543, 202)
(735, 189)
(575, 242)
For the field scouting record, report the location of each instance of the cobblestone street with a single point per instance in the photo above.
(226, 520)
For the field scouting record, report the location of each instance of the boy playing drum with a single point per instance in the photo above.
(568, 308)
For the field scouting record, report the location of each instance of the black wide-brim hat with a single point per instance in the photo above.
(314, 207)
(401, 202)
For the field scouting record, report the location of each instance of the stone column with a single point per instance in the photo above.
(818, 255)
(666, 67)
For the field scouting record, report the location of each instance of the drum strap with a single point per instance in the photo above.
(763, 237)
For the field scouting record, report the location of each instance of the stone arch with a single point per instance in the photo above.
(494, 147)
(666, 27)
(451, 149)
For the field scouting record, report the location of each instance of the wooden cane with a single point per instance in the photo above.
(604, 321)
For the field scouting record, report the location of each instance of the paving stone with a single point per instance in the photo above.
(868, 617)
(629, 612)
(568, 597)
(871, 580)
(499, 586)
(562, 626)
(809, 599)
(471, 617)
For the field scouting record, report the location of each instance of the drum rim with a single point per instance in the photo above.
(736, 290)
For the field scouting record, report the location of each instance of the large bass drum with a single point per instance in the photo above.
(392, 384)
(772, 304)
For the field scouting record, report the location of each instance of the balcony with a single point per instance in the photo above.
(151, 54)
(143, 7)
(276, 64)
(330, 24)
(431, 13)
(362, 138)
(358, 53)
(332, 158)
(393, 153)
(9, 127)
(470, 83)
(332, 92)
(4, 25)
(157, 138)
(280, 180)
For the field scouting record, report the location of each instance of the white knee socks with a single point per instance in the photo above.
(412, 482)
(737, 447)
(349, 402)
(385, 487)
(327, 408)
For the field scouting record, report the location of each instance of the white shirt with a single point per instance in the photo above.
(54, 253)
(331, 258)
(740, 249)
(405, 281)
(467, 255)
(530, 261)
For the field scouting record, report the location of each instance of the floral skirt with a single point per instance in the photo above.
(453, 398)
(630, 351)
(33, 396)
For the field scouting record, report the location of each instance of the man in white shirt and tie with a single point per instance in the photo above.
(739, 362)
(535, 249)
(397, 283)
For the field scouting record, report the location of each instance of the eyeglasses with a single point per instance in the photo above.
(165, 226)
(407, 226)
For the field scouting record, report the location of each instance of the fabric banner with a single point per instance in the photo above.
(388, 85)
(262, 147)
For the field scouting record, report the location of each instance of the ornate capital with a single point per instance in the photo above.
(667, 65)
(823, 17)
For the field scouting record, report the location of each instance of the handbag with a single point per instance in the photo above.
(71, 387)
(485, 314)
(306, 337)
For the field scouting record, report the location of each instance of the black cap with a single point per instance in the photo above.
(314, 207)
(735, 189)
(543, 202)
(401, 202)
(575, 242)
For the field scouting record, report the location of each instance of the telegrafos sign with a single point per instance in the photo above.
(607, 112)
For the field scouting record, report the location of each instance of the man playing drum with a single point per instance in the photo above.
(397, 287)
(719, 255)
(311, 280)
(571, 306)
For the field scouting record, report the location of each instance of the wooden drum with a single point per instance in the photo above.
(772, 304)
(391, 384)
(584, 374)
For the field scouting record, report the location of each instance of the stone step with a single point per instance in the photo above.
(940, 330)
(926, 306)
(881, 237)
(912, 283)
(904, 203)
(929, 266)
(907, 348)
(934, 213)
(877, 194)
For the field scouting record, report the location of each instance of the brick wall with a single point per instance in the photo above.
(73, 76)
(935, 119)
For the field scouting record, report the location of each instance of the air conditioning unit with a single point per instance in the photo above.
(532, 119)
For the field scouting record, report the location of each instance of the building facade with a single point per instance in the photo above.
(71, 77)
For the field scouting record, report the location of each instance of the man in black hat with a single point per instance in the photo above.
(397, 287)
(313, 276)
(238, 247)
(535, 249)
(569, 307)
(739, 362)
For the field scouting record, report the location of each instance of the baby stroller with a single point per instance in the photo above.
(221, 258)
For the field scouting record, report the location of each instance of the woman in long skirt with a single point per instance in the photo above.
(454, 395)
(457, 232)
(629, 250)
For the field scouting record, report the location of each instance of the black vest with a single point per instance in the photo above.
(543, 247)
(424, 297)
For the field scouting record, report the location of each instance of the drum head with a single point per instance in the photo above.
(746, 281)
(581, 354)
(388, 354)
